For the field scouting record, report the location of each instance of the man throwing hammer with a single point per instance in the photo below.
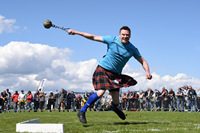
(107, 75)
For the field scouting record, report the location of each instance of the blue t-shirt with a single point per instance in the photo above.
(117, 54)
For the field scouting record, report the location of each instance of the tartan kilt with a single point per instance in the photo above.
(106, 80)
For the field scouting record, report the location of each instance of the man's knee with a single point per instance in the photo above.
(100, 93)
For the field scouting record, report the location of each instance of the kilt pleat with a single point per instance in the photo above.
(106, 80)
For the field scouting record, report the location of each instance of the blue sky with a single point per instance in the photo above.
(167, 34)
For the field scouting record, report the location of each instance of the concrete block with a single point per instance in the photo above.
(33, 126)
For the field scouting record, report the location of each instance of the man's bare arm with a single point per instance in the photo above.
(86, 35)
(146, 67)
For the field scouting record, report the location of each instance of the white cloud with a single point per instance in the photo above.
(23, 65)
(157, 82)
(26, 58)
(6, 25)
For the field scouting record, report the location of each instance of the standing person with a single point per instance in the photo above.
(185, 92)
(152, 100)
(158, 101)
(78, 102)
(15, 100)
(83, 101)
(107, 75)
(172, 99)
(21, 99)
(103, 103)
(124, 101)
(162, 96)
(1, 105)
(8, 99)
(149, 95)
(108, 98)
(4, 97)
(120, 101)
(135, 100)
(191, 99)
(86, 96)
(98, 104)
(68, 101)
(92, 104)
(61, 97)
(180, 98)
(128, 100)
(42, 100)
(131, 101)
(198, 99)
(36, 101)
(141, 96)
(51, 101)
(29, 100)
(73, 97)
(165, 100)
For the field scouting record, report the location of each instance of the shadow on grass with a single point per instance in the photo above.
(135, 123)
(129, 123)
(87, 125)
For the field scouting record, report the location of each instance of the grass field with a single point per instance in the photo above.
(108, 122)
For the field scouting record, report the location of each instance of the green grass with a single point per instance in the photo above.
(109, 122)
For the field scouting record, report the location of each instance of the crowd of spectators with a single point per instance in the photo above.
(21, 101)
(186, 98)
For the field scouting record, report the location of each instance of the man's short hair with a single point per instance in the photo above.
(125, 28)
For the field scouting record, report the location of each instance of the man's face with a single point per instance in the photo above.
(61, 90)
(124, 36)
(190, 87)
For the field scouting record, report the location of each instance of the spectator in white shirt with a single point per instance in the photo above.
(109, 98)
(21, 99)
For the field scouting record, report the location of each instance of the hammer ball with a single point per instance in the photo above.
(47, 24)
